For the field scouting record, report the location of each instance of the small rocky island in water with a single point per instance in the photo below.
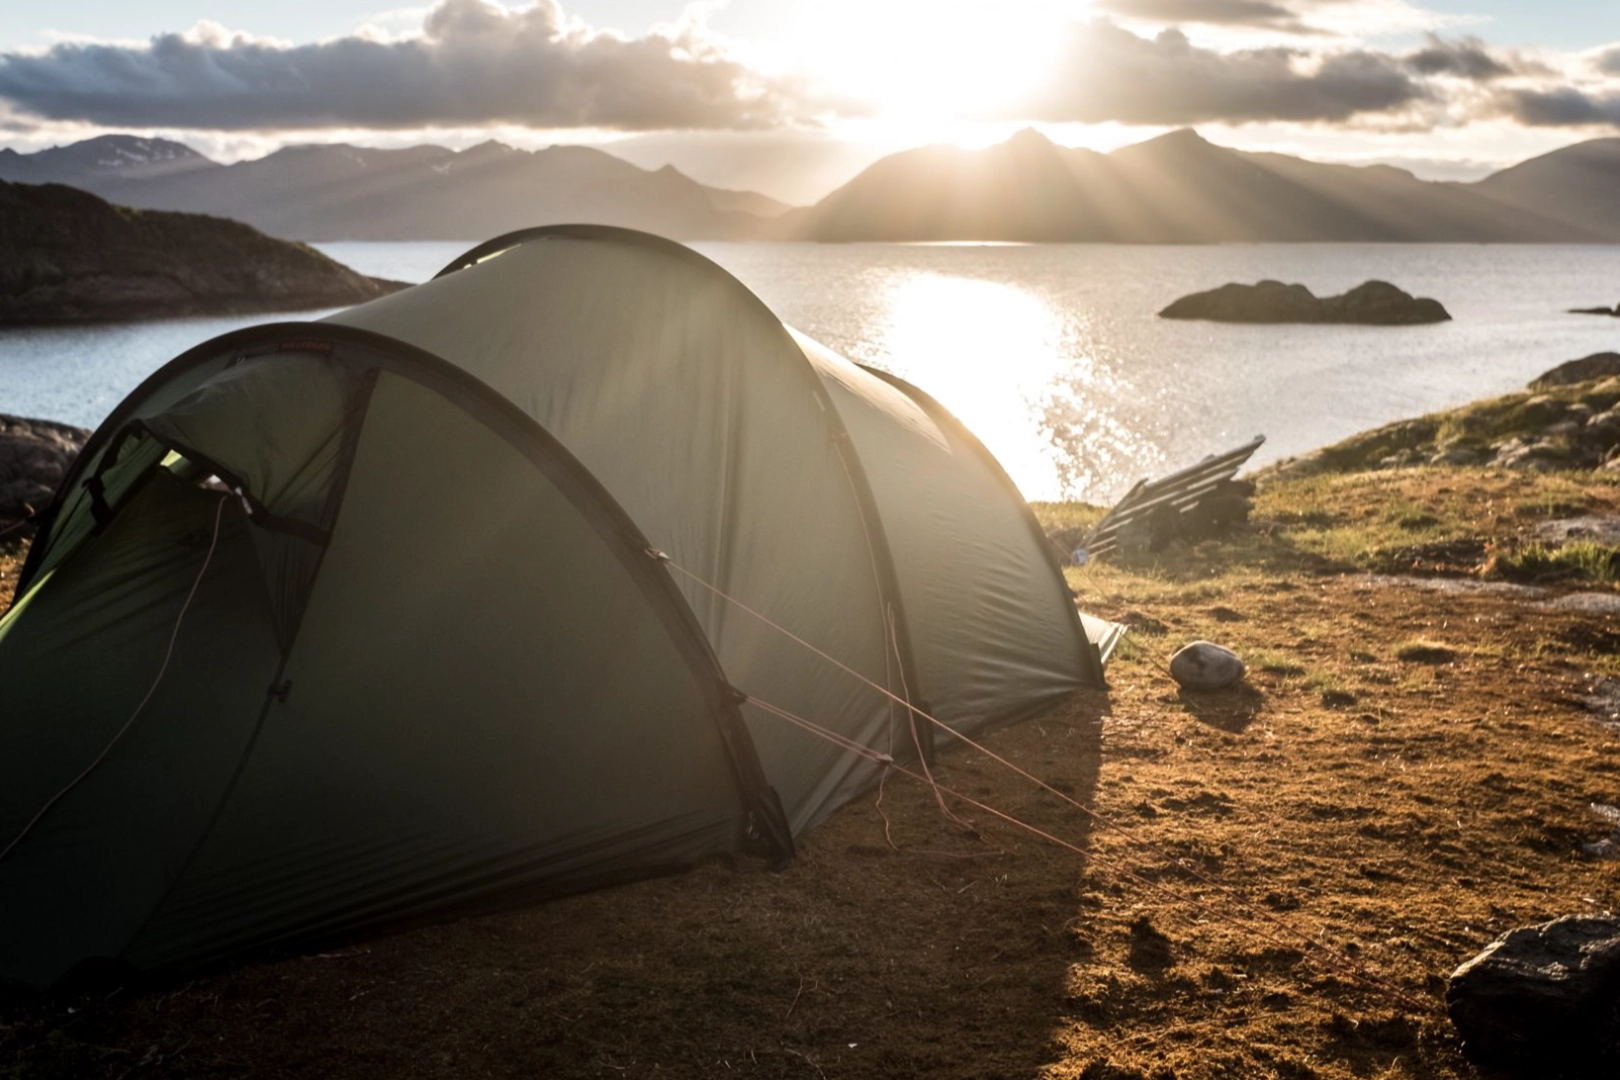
(67, 256)
(1614, 311)
(1374, 303)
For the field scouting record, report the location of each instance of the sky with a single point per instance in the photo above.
(794, 98)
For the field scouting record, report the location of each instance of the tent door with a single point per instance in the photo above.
(126, 802)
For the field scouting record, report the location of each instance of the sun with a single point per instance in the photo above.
(930, 63)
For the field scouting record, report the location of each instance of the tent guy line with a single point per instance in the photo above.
(163, 669)
(916, 736)
(1343, 961)
(1336, 961)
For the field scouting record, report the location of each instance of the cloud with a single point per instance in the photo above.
(1352, 18)
(473, 62)
(1111, 74)
(1608, 61)
(1471, 59)
(1561, 107)
(1256, 13)
(1465, 58)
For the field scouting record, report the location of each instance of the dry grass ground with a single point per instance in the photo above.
(1405, 774)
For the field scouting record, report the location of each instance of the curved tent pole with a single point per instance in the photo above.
(767, 822)
(888, 579)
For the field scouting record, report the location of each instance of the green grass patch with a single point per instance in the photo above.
(1577, 560)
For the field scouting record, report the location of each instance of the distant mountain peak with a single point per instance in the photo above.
(138, 142)
(1028, 136)
(488, 148)
(1180, 139)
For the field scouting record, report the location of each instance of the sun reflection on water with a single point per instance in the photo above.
(1019, 372)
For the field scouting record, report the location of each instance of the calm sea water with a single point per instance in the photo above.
(1053, 354)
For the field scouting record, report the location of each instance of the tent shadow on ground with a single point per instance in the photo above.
(946, 958)
(1231, 710)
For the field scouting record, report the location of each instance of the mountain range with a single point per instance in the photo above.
(1177, 188)
(341, 192)
(1180, 188)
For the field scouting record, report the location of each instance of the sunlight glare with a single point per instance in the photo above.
(982, 349)
(1017, 372)
(920, 59)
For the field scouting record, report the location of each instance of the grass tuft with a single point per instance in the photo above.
(1578, 559)
(1423, 651)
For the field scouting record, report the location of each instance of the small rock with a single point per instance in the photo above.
(1543, 999)
(1204, 665)
(1589, 602)
(1606, 423)
(1398, 460)
(1538, 455)
(1603, 700)
(1456, 454)
(1606, 847)
(1598, 528)
(1542, 409)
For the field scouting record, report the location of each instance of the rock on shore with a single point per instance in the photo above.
(67, 256)
(1373, 303)
(34, 456)
(1543, 1000)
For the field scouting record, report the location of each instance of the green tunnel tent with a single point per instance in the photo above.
(462, 575)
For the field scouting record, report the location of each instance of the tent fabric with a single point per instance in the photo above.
(75, 660)
(437, 659)
(282, 431)
(992, 622)
(400, 773)
(695, 408)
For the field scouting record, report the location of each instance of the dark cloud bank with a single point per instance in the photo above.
(1566, 107)
(474, 64)
(1111, 74)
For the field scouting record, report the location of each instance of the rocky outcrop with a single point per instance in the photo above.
(1557, 425)
(1597, 366)
(67, 256)
(34, 456)
(1614, 311)
(1543, 1000)
(1373, 303)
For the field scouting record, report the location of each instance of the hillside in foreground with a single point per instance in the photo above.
(1406, 773)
